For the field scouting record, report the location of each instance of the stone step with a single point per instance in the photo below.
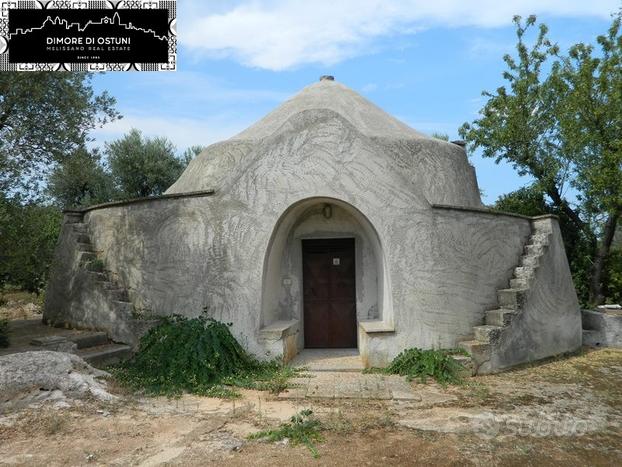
(487, 332)
(474, 346)
(539, 238)
(86, 257)
(93, 339)
(520, 283)
(85, 247)
(95, 266)
(530, 261)
(523, 272)
(511, 298)
(105, 355)
(500, 316)
(464, 360)
(80, 227)
(98, 276)
(592, 338)
(83, 238)
(535, 250)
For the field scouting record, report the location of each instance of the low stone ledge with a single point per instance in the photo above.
(374, 327)
(278, 330)
(602, 328)
(75, 215)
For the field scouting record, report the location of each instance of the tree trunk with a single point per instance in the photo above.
(597, 290)
(561, 203)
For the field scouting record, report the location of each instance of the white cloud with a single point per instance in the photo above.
(283, 34)
(183, 132)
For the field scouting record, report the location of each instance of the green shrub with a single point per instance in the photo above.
(438, 364)
(302, 428)
(4, 333)
(199, 356)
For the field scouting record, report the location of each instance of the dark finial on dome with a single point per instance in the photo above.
(327, 78)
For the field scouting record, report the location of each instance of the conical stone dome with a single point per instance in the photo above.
(328, 134)
(327, 94)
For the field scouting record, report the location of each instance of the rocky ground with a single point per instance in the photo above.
(565, 411)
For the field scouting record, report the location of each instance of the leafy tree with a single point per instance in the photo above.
(441, 136)
(532, 201)
(44, 117)
(528, 201)
(81, 180)
(591, 134)
(143, 166)
(28, 235)
(562, 127)
(191, 153)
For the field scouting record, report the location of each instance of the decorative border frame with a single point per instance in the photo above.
(170, 5)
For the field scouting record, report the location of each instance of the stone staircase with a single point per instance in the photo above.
(510, 302)
(88, 259)
(100, 350)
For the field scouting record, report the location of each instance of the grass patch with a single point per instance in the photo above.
(4, 333)
(302, 428)
(198, 356)
(423, 364)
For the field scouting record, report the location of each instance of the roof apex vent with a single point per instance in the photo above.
(327, 78)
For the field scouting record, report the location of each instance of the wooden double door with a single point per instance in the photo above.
(329, 293)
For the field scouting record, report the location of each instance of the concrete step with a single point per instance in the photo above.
(83, 238)
(592, 338)
(80, 227)
(95, 266)
(474, 346)
(98, 276)
(500, 316)
(464, 360)
(535, 250)
(105, 355)
(86, 257)
(511, 298)
(487, 332)
(520, 283)
(93, 339)
(530, 261)
(539, 238)
(523, 272)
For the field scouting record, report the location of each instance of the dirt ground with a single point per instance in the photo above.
(565, 411)
(20, 305)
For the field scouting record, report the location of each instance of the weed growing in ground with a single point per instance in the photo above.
(302, 428)
(199, 356)
(423, 364)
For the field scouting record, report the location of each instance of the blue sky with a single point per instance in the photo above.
(424, 62)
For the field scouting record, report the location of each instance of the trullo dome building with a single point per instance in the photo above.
(327, 224)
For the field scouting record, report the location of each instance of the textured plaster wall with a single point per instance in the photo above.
(177, 256)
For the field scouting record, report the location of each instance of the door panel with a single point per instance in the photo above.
(329, 293)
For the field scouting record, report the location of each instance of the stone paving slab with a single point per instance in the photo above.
(342, 360)
(350, 385)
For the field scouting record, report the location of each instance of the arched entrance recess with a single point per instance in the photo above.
(309, 222)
